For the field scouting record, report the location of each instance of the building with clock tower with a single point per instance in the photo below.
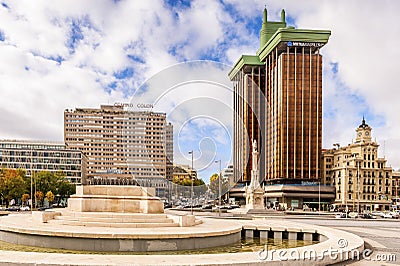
(362, 179)
(363, 132)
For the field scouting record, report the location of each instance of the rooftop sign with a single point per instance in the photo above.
(132, 105)
(305, 44)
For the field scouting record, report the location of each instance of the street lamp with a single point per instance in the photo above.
(319, 196)
(358, 184)
(191, 193)
(33, 179)
(219, 187)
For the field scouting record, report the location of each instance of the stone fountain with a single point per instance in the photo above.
(116, 218)
(114, 206)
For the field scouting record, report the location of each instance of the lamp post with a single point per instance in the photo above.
(191, 193)
(319, 196)
(358, 161)
(32, 179)
(344, 192)
(219, 187)
(397, 192)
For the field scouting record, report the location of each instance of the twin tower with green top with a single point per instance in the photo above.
(278, 103)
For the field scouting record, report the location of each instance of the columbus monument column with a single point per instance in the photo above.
(254, 194)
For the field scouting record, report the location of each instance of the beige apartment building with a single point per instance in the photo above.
(362, 179)
(122, 144)
(183, 172)
(36, 156)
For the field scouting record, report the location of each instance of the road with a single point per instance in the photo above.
(382, 235)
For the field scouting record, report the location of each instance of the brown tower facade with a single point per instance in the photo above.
(278, 102)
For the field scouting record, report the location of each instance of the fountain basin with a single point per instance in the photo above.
(22, 229)
(329, 239)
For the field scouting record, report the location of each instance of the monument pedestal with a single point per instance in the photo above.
(125, 199)
(255, 200)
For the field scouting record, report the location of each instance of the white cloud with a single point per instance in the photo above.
(35, 89)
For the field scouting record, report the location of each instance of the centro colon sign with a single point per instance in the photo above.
(305, 44)
(131, 105)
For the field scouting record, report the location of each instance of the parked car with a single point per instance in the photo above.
(387, 215)
(167, 205)
(55, 205)
(44, 208)
(378, 214)
(342, 215)
(207, 207)
(367, 216)
(24, 208)
(13, 209)
(395, 215)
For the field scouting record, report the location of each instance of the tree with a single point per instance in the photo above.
(12, 184)
(54, 182)
(214, 185)
(65, 189)
(25, 198)
(39, 197)
(199, 187)
(188, 182)
(198, 182)
(46, 181)
(50, 197)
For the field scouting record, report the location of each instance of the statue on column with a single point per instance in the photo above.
(254, 183)
(254, 193)
(255, 155)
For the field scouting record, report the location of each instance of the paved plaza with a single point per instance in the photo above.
(382, 235)
(330, 238)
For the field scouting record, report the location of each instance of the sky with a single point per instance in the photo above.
(57, 55)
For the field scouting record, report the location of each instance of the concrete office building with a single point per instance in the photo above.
(278, 100)
(169, 147)
(122, 144)
(36, 156)
(362, 179)
(227, 174)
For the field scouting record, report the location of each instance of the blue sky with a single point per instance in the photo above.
(67, 54)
